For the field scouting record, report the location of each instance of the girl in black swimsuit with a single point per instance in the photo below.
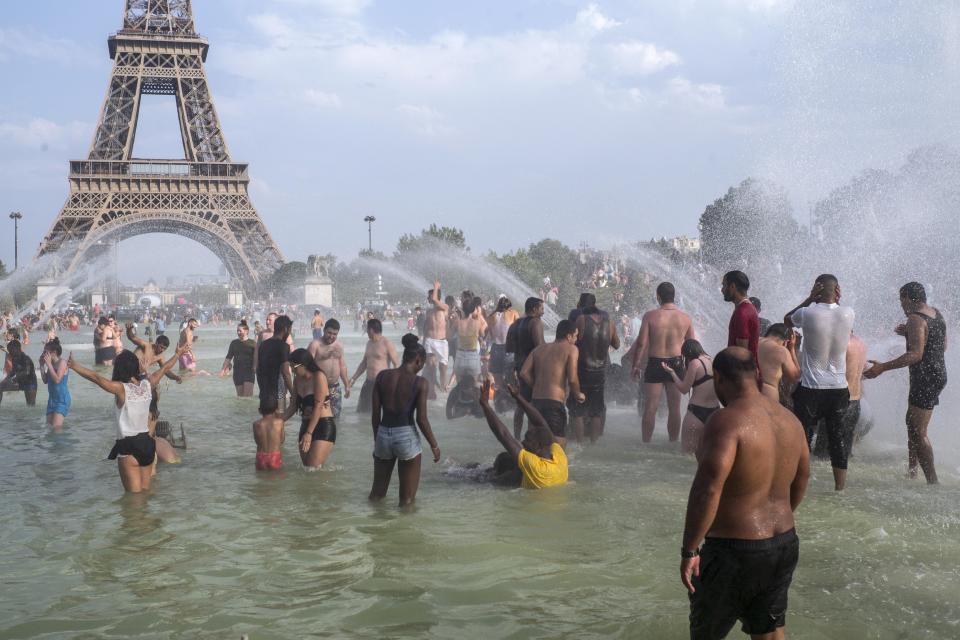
(698, 381)
(318, 431)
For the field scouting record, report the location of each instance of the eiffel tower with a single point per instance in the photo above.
(114, 196)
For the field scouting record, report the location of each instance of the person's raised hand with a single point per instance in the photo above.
(513, 390)
(129, 325)
(70, 361)
(815, 292)
(485, 393)
(689, 567)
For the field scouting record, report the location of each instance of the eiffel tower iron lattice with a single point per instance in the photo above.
(114, 196)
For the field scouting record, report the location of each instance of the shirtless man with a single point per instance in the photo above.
(524, 335)
(328, 354)
(150, 354)
(380, 354)
(662, 333)
(597, 334)
(316, 324)
(435, 337)
(551, 371)
(778, 359)
(752, 475)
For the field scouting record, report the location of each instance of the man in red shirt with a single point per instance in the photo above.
(745, 322)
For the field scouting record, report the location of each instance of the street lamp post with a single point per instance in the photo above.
(370, 220)
(16, 216)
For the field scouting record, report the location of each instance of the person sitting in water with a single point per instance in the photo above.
(54, 372)
(135, 450)
(318, 430)
(21, 374)
(268, 433)
(697, 381)
(539, 457)
(399, 407)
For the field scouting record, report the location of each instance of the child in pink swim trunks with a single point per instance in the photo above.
(268, 433)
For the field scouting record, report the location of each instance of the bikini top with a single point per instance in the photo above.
(706, 376)
(306, 404)
(405, 418)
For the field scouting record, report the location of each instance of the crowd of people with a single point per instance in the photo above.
(756, 409)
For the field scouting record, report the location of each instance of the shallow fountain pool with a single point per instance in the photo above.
(218, 550)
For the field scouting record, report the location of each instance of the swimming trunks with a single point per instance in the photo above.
(554, 413)
(105, 354)
(594, 407)
(438, 348)
(394, 443)
(336, 399)
(929, 376)
(141, 446)
(326, 429)
(498, 358)
(271, 461)
(365, 401)
(744, 580)
(654, 373)
(317, 334)
(188, 362)
(702, 413)
(810, 405)
(467, 363)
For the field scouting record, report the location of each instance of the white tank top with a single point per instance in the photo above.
(132, 417)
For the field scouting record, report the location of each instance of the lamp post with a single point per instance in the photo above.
(16, 216)
(370, 220)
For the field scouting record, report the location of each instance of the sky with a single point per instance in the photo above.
(511, 119)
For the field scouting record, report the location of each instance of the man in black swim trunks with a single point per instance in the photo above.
(752, 474)
(596, 336)
(662, 333)
(550, 370)
(524, 335)
(273, 360)
(926, 334)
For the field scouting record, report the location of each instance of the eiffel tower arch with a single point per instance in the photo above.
(204, 196)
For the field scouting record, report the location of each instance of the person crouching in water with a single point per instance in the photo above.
(318, 430)
(135, 450)
(268, 433)
(399, 407)
(697, 381)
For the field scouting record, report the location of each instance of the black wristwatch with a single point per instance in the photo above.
(689, 554)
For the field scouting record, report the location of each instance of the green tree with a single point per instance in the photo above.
(429, 238)
(287, 280)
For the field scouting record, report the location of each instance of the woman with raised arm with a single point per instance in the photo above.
(399, 407)
(135, 450)
(53, 371)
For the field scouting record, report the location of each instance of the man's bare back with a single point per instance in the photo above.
(776, 361)
(552, 367)
(663, 330)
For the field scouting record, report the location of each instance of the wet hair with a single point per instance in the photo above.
(734, 364)
(412, 349)
(755, 301)
(827, 280)
(531, 304)
(243, 323)
(777, 330)
(587, 300)
(125, 366)
(450, 301)
(163, 341)
(691, 349)
(565, 328)
(54, 347)
(738, 279)
(268, 404)
(503, 304)
(103, 320)
(189, 320)
(281, 324)
(914, 292)
(666, 292)
(14, 345)
(375, 325)
(302, 357)
(469, 306)
(478, 302)
(332, 323)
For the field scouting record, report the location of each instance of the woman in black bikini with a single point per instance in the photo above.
(318, 431)
(698, 381)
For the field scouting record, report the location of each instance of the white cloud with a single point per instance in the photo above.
(337, 7)
(704, 96)
(425, 120)
(591, 19)
(640, 58)
(43, 133)
(322, 99)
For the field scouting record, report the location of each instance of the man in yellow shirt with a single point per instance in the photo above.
(539, 457)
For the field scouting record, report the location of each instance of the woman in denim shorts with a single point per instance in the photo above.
(399, 407)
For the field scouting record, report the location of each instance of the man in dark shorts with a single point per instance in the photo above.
(752, 474)
(272, 360)
(240, 359)
(22, 376)
(926, 334)
(596, 336)
(549, 371)
(524, 335)
(662, 334)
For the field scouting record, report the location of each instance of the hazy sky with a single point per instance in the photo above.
(512, 119)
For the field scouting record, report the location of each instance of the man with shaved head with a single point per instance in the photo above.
(823, 392)
(752, 474)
